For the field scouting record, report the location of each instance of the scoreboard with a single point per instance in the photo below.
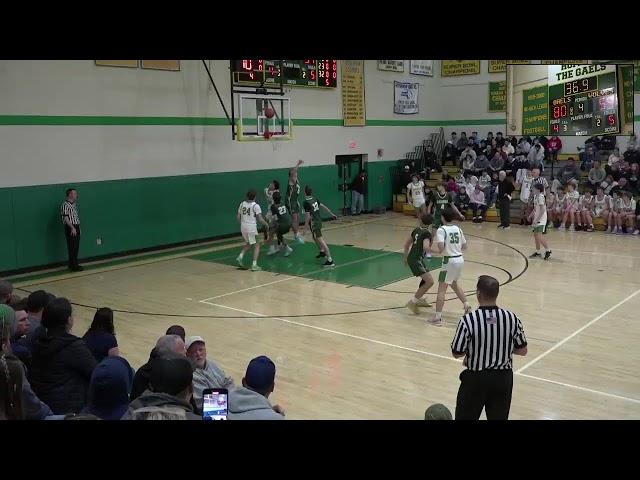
(300, 73)
(583, 100)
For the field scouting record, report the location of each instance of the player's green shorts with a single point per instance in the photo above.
(293, 207)
(417, 267)
(437, 222)
(316, 230)
(540, 229)
(282, 230)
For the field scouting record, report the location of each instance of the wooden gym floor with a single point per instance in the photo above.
(343, 342)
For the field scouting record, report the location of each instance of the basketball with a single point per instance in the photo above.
(269, 112)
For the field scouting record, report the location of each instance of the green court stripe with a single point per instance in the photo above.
(123, 260)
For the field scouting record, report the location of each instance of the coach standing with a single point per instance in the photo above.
(505, 189)
(487, 338)
(71, 221)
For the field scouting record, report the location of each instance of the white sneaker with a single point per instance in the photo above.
(572, 228)
(615, 230)
(288, 251)
(272, 250)
(561, 228)
(507, 228)
(438, 322)
(608, 230)
(636, 231)
(423, 303)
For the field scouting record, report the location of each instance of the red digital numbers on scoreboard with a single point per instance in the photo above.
(612, 120)
(555, 127)
(559, 111)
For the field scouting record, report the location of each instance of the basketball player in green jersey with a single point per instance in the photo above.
(313, 220)
(282, 221)
(416, 248)
(438, 201)
(292, 202)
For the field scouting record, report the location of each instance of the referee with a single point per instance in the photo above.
(71, 221)
(487, 338)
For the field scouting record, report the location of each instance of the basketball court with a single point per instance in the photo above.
(345, 345)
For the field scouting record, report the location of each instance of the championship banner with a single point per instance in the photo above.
(405, 98)
(498, 96)
(500, 66)
(455, 68)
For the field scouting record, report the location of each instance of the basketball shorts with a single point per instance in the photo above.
(249, 234)
(417, 267)
(540, 229)
(451, 270)
(316, 230)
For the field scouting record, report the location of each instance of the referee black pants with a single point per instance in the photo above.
(505, 212)
(73, 245)
(488, 389)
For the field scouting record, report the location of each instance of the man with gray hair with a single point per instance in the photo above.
(208, 374)
(6, 290)
(166, 345)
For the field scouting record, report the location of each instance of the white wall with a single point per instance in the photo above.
(55, 154)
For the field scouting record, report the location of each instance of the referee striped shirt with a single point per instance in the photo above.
(70, 210)
(487, 336)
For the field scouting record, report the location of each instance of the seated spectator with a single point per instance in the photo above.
(514, 142)
(608, 185)
(251, 401)
(632, 144)
(569, 172)
(35, 306)
(500, 141)
(177, 330)
(634, 174)
(467, 157)
(100, 338)
(480, 165)
(614, 159)
(607, 142)
(587, 158)
(460, 180)
(109, 388)
(445, 176)
(170, 391)
(622, 186)
(61, 365)
(463, 142)
(482, 148)
(497, 162)
(166, 345)
(18, 346)
(476, 137)
(489, 138)
(536, 157)
(11, 379)
(523, 148)
(451, 185)
(520, 162)
(509, 167)
(34, 409)
(477, 202)
(462, 200)
(449, 154)
(508, 149)
(437, 411)
(542, 140)
(615, 172)
(626, 216)
(555, 184)
(454, 139)
(596, 176)
(585, 211)
(571, 208)
(6, 292)
(553, 148)
(430, 161)
(484, 180)
(208, 374)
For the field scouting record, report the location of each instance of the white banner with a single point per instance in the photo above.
(405, 98)
(567, 73)
(421, 67)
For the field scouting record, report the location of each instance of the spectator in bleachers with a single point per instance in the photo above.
(476, 137)
(480, 165)
(109, 389)
(451, 185)
(463, 142)
(467, 156)
(615, 172)
(499, 140)
(553, 148)
(454, 139)
(523, 148)
(430, 161)
(484, 180)
(176, 330)
(482, 148)
(18, 346)
(61, 363)
(587, 158)
(170, 391)
(536, 157)
(461, 179)
(11, 380)
(634, 174)
(585, 211)
(462, 200)
(497, 162)
(608, 184)
(569, 172)
(101, 338)
(570, 208)
(520, 162)
(208, 374)
(6, 292)
(166, 345)
(489, 138)
(477, 203)
(596, 176)
(626, 216)
(251, 401)
(632, 143)
(622, 186)
(36, 302)
(509, 166)
(507, 148)
(449, 154)
(614, 160)
(514, 142)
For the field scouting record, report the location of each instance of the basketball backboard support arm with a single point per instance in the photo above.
(218, 93)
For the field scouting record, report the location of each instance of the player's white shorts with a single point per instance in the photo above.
(451, 270)
(249, 233)
(418, 203)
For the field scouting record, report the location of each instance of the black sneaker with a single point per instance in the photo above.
(329, 264)
(321, 254)
(547, 254)
(535, 255)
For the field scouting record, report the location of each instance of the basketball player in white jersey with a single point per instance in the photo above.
(415, 195)
(626, 213)
(586, 210)
(602, 207)
(450, 242)
(248, 212)
(540, 222)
